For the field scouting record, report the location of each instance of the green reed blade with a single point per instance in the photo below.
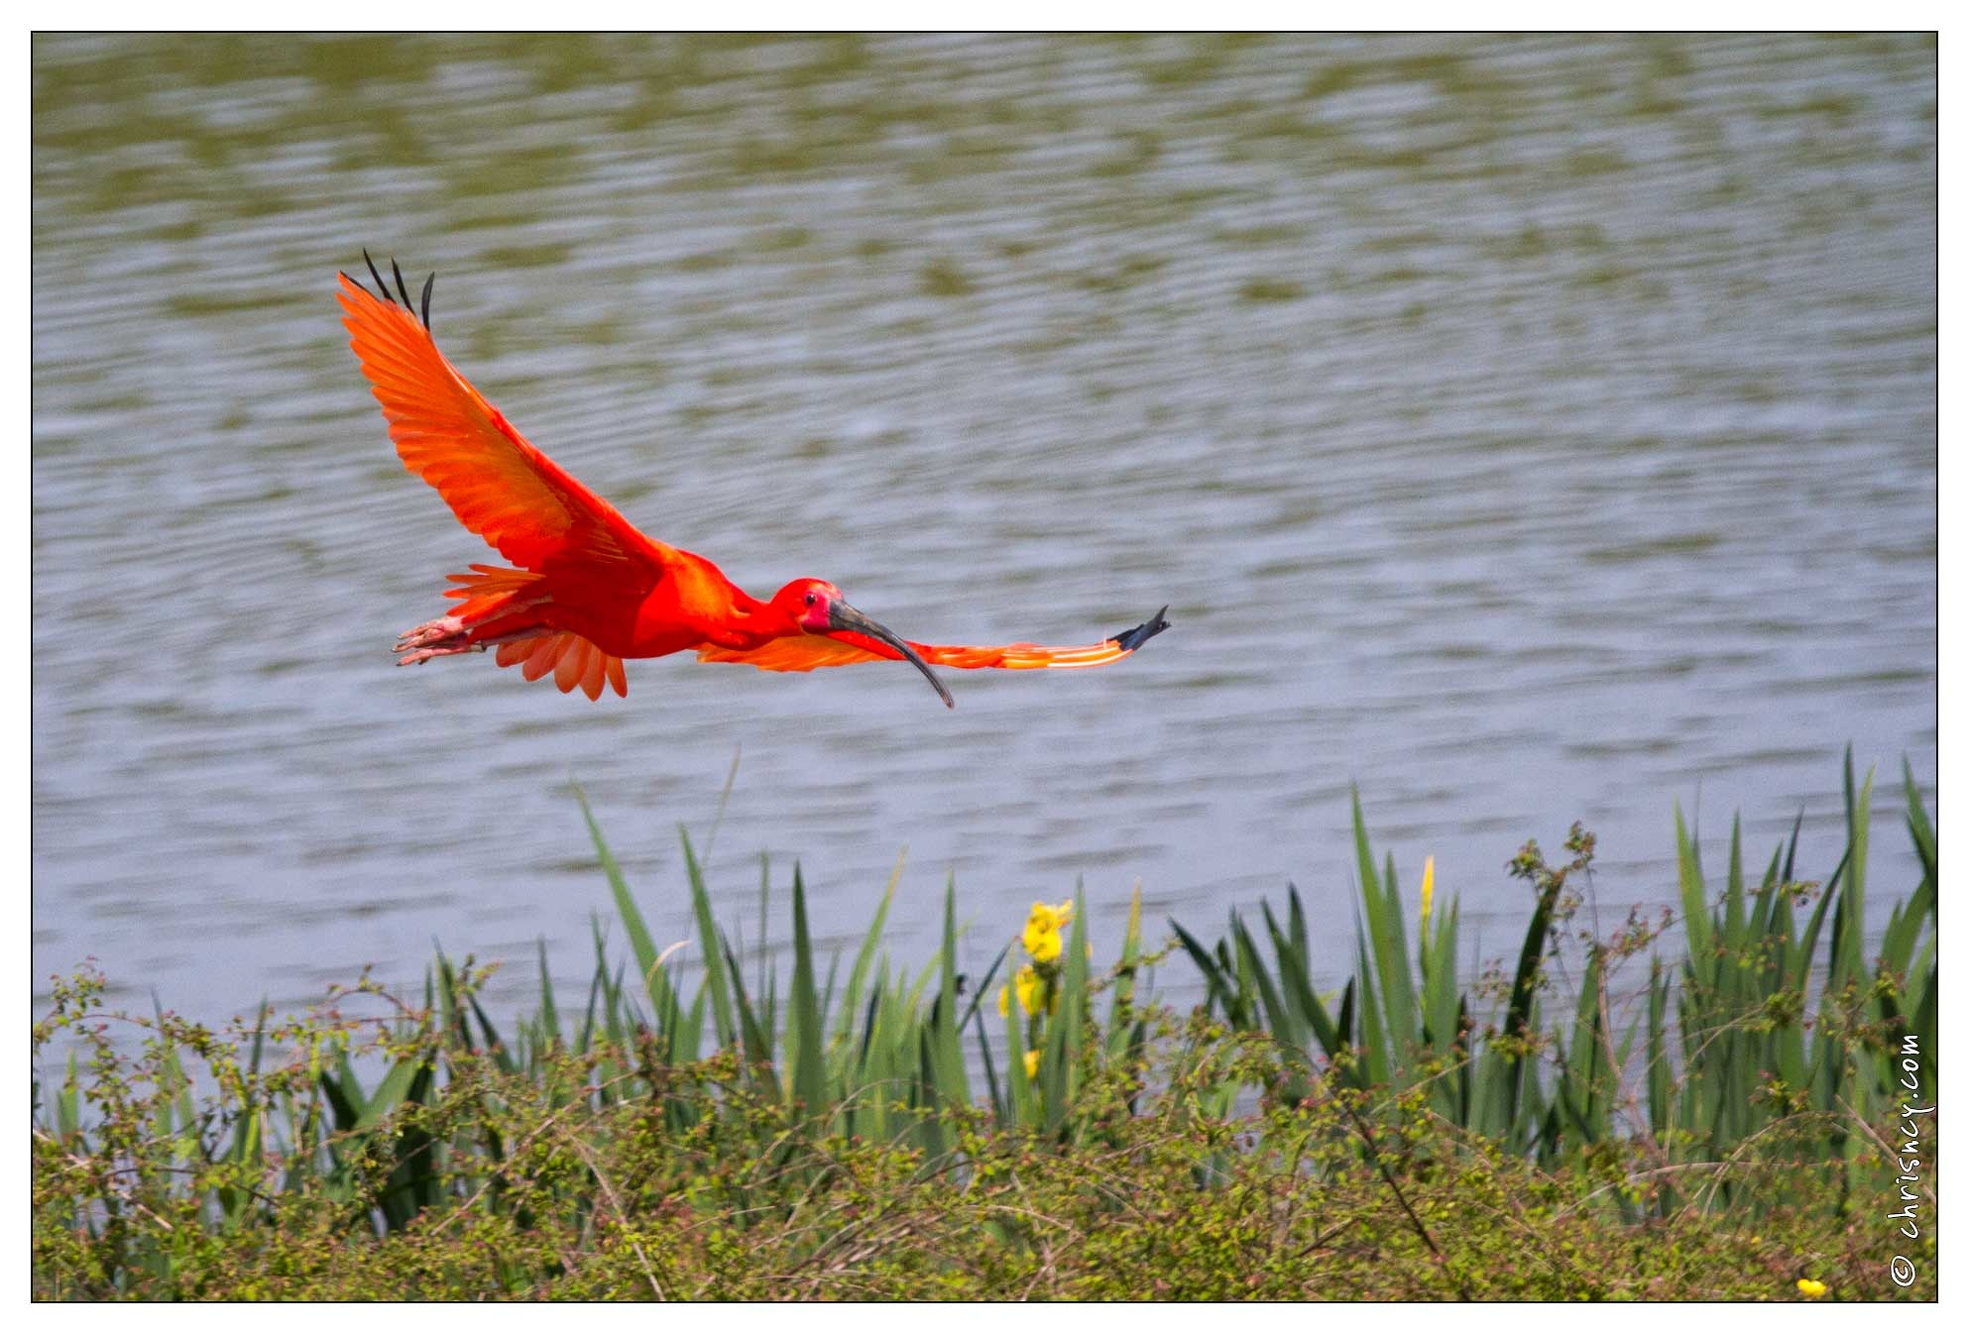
(1584, 1090)
(505, 1058)
(1696, 924)
(755, 1034)
(950, 1082)
(1849, 922)
(1220, 991)
(1075, 1009)
(1343, 1023)
(765, 899)
(1372, 1052)
(1384, 945)
(346, 1102)
(1280, 1018)
(1661, 1107)
(550, 1017)
(1121, 1003)
(1733, 893)
(984, 989)
(640, 942)
(1441, 997)
(865, 956)
(717, 982)
(1909, 920)
(171, 1080)
(1918, 825)
(68, 1101)
(1022, 1094)
(1517, 1092)
(995, 1097)
(1296, 991)
(803, 1016)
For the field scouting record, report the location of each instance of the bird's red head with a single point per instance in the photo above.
(810, 603)
(817, 607)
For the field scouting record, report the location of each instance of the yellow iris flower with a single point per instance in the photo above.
(1031, 988)
(1811, 1287)
(1042, 933)
(1032, 1065)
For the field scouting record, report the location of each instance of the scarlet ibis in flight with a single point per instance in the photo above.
(586, 589)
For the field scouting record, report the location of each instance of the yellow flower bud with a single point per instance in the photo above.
(1032, 1065)
(1004, 1001)
(1811, 1287)
(1428, 887)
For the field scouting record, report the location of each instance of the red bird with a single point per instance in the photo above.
(589, 589)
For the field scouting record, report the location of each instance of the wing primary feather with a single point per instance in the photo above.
(381, 286)
(429, 283)
(401, 289)
(1143, 633)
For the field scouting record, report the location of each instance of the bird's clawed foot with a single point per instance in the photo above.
(434, 639)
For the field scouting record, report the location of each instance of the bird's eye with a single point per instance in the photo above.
(810, 599)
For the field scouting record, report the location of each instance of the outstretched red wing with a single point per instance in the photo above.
(803, 653)
(500, 487)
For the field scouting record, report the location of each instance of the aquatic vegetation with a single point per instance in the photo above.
(687, 1134)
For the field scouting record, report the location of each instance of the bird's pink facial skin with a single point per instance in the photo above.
(813, 603)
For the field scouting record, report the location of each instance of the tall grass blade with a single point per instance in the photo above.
(640, 942)
(717, 982)
(803, 1016)
(1384, 947)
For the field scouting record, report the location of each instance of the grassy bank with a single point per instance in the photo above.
(1724, 1122)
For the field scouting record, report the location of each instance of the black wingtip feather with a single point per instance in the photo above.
(423, 306)
(1143, 633)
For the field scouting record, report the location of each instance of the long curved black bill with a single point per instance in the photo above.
(840, 616)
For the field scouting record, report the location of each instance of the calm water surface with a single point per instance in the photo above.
(1524, 430)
